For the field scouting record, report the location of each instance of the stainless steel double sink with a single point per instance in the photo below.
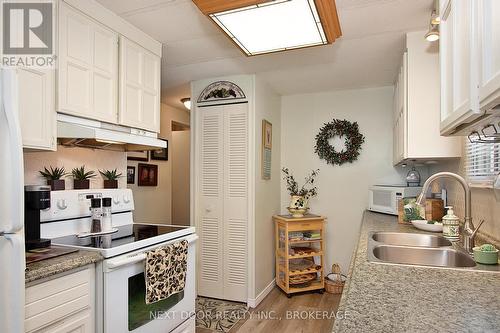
(416, 249)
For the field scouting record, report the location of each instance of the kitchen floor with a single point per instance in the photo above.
(277, 305)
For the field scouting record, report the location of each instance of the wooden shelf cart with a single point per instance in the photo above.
(287, 234)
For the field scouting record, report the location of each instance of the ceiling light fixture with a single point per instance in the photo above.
(433, 34)
(435, 18)
(259, 27)
(187, 102)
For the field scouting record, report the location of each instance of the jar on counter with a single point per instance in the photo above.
(107, 222)
(96, 215)
(451, 225)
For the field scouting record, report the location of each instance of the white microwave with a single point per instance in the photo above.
(384, 198)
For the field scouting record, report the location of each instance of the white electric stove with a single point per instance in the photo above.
(120, 286)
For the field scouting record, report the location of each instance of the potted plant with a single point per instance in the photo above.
(81, 178)
(53, 177)
(299, 203)
(111, 178)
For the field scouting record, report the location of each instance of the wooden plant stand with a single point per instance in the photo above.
(286, 227)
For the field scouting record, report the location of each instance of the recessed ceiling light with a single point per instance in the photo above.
(259, 27)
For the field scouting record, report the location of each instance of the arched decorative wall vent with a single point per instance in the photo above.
(221, 91)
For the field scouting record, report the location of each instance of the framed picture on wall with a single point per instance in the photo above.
(138, 156)
(160, 154)
(267, 144)
(147, 174)
(267, 134)
(130, 174)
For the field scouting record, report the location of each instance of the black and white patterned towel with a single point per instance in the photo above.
(165, 271)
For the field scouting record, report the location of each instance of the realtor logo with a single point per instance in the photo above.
(28, 34)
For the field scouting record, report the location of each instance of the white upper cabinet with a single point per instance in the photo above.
(37, 113)
(88, 67)
(417, 102)
(470, 64)
(139, 87)
(457, 58)
(488, 13)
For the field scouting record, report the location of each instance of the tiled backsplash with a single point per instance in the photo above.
(484, 204)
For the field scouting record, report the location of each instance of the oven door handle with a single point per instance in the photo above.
(132, 259)
(127, 261)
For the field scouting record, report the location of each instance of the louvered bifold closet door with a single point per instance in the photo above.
(210, 224)
(235, 201)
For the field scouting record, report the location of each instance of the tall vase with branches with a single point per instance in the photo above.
(300, 196)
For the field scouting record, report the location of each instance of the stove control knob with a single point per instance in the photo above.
(61, 204)
(126, 199)
(116, 200)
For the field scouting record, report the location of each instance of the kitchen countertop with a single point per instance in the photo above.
(397, 298)
(49, 267)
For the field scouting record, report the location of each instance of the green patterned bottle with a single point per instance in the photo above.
(451, 225)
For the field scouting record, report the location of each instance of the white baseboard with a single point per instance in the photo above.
(253, 302)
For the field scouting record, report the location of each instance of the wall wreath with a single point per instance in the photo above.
(341, 128)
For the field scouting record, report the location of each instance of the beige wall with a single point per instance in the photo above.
(71, 158)
(484, 204)
(267, 192)
(342, 190)
(180, 177)
(154, 204)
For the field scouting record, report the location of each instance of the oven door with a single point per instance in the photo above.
(124, 306)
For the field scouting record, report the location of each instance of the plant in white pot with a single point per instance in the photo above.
(299, 203)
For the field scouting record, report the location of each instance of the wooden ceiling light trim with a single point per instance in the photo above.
(327, 11)
(208, 7)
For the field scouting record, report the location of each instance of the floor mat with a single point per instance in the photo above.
(218, 315)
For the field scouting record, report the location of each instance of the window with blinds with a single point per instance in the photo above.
(483, 161)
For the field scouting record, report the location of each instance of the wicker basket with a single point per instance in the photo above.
(334, 282)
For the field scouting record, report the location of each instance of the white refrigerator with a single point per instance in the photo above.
(12, 255)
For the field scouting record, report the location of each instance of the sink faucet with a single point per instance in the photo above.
(469, 232)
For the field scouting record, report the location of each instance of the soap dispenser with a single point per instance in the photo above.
(451, 225)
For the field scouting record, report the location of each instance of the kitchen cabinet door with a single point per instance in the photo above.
(139, 87)
(79, 323)
(37, 114)
(458, 65)
(401, 109)
(394, 126)
(88, 67)
(488, 12)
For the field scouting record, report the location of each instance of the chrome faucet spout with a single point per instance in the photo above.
(469, 231)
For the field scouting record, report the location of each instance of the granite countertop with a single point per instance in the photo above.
(48, 267)
(397, 298)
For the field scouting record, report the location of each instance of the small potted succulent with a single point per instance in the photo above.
(53, 177)
(110, 178)
(81, 178)
(299, 203)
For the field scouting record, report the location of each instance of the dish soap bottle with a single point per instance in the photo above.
(451, 225)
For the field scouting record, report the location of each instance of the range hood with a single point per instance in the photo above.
(79, 132)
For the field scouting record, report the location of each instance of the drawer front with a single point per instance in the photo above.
(78, 323)
(56, 299)
(306, 225)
